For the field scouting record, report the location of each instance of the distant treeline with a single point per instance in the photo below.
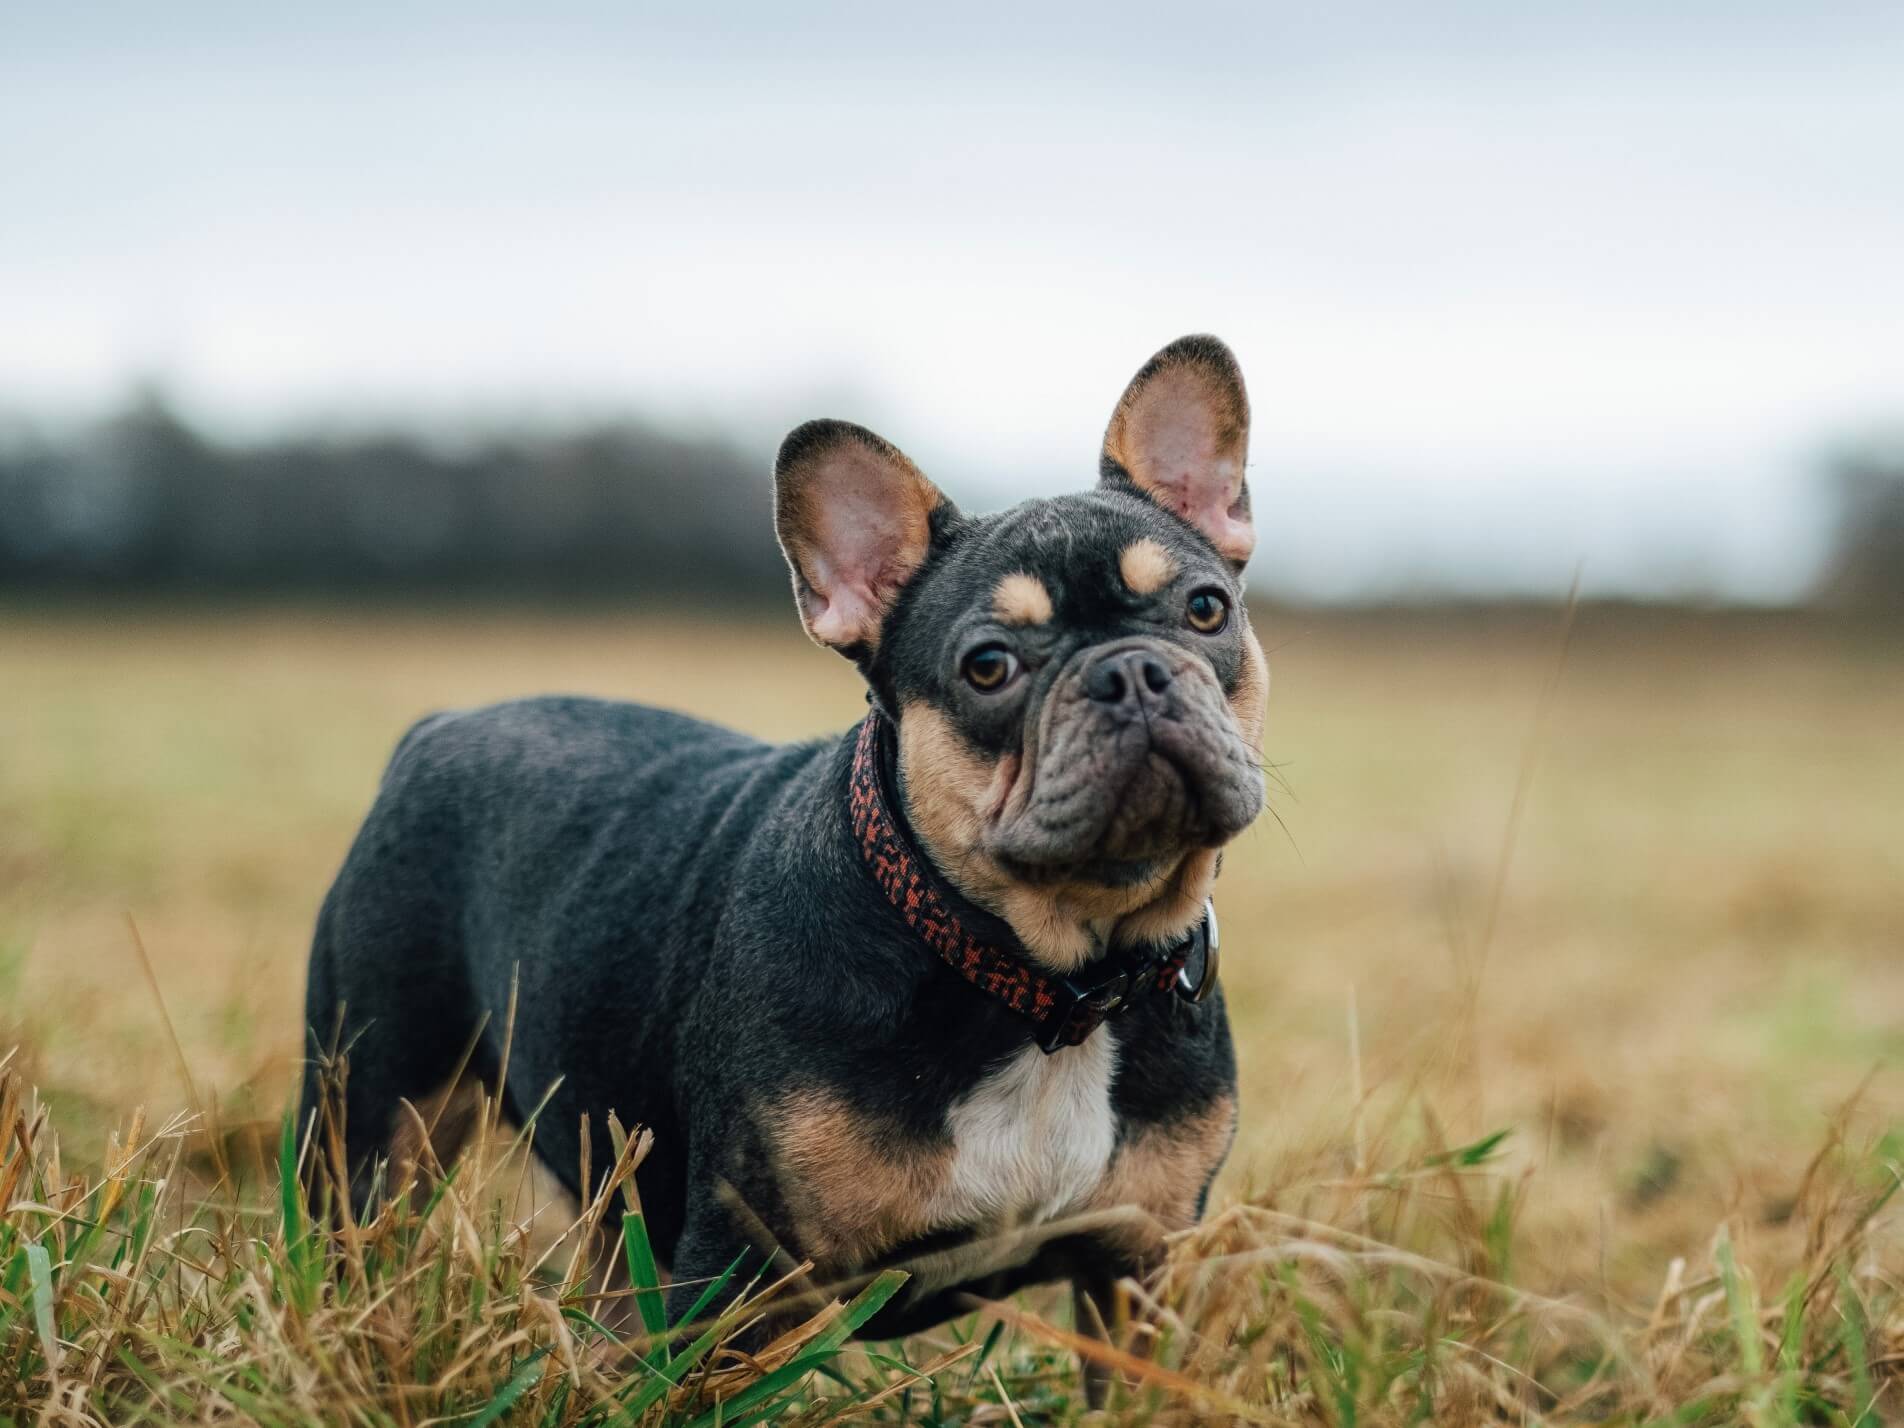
(145, 502)
(1866, 567)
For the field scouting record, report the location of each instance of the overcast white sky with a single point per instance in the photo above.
(1516, 286)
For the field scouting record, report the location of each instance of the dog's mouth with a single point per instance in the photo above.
(1116, 795)
(1099, 871)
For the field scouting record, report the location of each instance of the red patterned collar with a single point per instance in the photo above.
(1063, 1010)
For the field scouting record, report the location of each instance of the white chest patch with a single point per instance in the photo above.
(1033, 1139)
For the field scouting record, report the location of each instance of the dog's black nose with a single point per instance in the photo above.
(1126, 675)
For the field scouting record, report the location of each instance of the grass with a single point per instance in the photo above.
(1672, 981)
(126, 1299)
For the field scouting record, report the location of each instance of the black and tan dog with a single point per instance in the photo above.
(937, 991)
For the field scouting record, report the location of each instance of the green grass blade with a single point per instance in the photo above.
(1498, 1233)
(739, 1410)
(868, 1302)
(290, 1206)
(1745, 1319)
(714, 1287)
(991, 1343)
(590, 1322)
(1855, 1334)
(1468, 1156)
(438, 1191)
(820, 1349)
(40, 1270)
(676, 1366)
(665, 1378)
(645, 1275)
(520, 1382)
(864, 1305)
(300, 1248)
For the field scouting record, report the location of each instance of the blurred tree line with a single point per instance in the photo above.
(1866, 568)
(145, 502)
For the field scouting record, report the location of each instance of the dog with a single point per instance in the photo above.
(939, 992)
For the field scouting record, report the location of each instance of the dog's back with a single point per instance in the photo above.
(609, 830)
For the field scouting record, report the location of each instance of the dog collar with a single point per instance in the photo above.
(981, 948)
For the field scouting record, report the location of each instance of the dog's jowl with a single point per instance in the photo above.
(940, 991)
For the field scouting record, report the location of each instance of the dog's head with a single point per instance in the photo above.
(1078, 693)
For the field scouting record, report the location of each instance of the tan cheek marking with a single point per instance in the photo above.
(1250, 702)
(856, 1188)
(948, 787)
(1146, 566)
(1163, 1169)
(1021, 599)
(951, 792)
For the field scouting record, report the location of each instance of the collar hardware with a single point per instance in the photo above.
(1196, 991)
(982, 949)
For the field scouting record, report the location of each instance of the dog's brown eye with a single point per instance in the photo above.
(990, 667)
(1208, 612)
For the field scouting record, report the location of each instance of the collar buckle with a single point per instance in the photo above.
(1205, 977)
(1086, 1004)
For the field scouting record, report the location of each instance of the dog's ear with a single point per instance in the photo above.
(1180, 435)
(854, 517)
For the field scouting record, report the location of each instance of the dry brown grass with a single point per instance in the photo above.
(1693, 960)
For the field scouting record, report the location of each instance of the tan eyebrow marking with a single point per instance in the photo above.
(1146, 566)
(1021, 599)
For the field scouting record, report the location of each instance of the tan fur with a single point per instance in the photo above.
(1146, 566)
(1250, 702)
(855, 1187)
(953, 793)
(432, 1133)
(1177, 909)
(1021, 599)
(1163, 1169)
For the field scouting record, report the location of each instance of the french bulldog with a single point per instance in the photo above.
(937, 992)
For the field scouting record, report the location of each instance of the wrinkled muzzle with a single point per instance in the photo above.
(1135, 757)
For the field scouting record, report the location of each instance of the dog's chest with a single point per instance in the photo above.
(1032, 1140)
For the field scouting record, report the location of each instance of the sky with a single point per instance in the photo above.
(1519, 288)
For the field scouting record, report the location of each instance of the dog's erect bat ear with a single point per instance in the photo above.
(854, 517)
(1180, 435)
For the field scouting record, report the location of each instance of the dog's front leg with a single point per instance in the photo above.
(1093, 1306)
(1101, 1314)
(710, 1243)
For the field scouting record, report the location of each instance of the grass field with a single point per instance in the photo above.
(1641, 909)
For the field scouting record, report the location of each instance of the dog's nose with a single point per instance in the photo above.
(1126, 676)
